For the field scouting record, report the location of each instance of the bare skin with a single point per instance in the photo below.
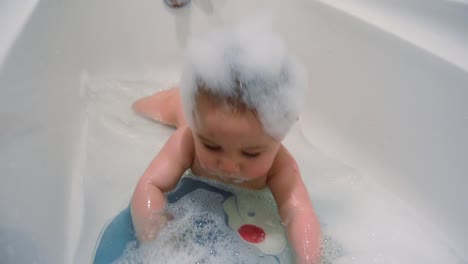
(164, 107)
(227, 146)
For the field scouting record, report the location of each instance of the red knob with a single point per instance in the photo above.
(251, 233)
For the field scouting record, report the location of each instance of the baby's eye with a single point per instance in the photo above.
(250, 155)
(212, 147)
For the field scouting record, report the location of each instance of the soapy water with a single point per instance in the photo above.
(361, 222)
(198, 233)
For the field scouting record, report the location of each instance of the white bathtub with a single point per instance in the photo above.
(387, 98)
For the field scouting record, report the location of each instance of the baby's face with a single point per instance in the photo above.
(231, 146)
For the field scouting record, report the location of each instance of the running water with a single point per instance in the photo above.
(361, 222)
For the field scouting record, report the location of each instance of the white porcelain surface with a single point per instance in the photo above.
(387, 98)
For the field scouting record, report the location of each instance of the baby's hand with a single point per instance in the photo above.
(149, 228)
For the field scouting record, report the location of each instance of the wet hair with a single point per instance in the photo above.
(233, 103)
(249, 65)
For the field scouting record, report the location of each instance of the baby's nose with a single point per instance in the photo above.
(228, 165)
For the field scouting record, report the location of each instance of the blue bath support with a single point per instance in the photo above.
(117, 235)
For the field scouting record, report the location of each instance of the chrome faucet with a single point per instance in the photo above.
(176, 3)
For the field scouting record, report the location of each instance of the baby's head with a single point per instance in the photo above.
(252, 65)
(242, 82)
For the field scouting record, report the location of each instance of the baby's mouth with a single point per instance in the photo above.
(233, 178)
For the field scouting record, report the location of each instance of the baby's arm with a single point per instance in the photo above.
(295, 207)
(148, 201)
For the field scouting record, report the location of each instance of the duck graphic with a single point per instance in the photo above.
(255, 224)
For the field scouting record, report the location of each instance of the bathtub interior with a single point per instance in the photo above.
(385, 117)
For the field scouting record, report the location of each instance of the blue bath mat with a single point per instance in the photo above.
(213, 223)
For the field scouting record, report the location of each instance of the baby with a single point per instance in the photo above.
(239, 96)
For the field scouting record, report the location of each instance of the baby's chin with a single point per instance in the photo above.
(229, 177)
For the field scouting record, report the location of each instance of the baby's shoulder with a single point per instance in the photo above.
(284, 162)
(185, 135)
(181, 144)
(181, 137)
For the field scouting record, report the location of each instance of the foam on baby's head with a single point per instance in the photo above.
(249, 63)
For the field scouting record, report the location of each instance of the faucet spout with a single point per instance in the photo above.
(176, 3)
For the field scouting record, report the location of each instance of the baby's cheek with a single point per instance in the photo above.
(204, 158)
(260, 166)
(207, 162)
